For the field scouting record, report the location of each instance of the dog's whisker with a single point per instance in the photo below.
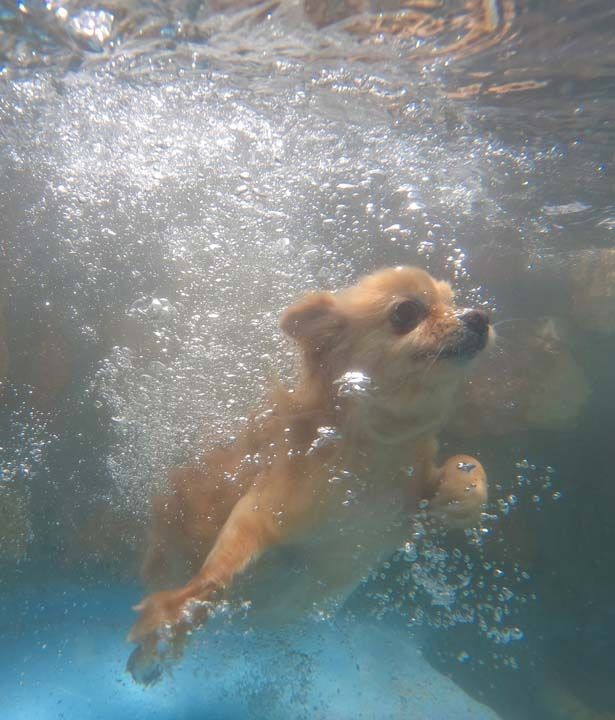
(503, 322)
(433, 362)
(500, 344)
(498, 351)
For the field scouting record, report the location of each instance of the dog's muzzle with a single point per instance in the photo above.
(471, 336)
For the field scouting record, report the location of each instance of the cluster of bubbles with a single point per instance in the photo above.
(173, 239)
(24, 443)
(436, 581)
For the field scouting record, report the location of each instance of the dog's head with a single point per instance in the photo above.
(399, 327)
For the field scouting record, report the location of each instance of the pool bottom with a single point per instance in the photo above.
(63, 655)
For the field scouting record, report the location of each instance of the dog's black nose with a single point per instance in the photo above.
(476, 320)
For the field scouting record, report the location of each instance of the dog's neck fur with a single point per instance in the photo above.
(359, 422)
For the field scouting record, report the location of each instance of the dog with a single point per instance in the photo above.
(321, 485)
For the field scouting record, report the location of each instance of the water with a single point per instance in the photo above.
(173, 176)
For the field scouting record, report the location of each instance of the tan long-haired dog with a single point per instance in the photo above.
(321, 486)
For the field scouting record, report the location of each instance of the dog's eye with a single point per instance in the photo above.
(407, 315)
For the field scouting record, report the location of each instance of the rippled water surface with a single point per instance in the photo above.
(173, 176)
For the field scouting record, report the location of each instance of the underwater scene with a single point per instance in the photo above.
(307, 326)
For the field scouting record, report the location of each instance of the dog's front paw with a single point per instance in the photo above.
(146, 665)
(461, 493)
(165, 620)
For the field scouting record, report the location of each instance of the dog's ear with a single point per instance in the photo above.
(313, 321)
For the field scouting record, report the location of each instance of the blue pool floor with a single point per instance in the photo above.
(63, 653)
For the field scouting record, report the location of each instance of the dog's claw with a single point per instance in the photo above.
(145, 668)
(165, 621)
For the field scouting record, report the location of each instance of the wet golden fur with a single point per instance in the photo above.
(339, 507)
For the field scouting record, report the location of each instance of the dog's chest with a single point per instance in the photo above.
(316, 572)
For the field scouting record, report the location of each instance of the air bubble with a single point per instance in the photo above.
(326, 436)
(410, 552)
(94, 26)
(352, 384)
(503, 506)
(151, 308)
(350, 498)
(516, 634)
